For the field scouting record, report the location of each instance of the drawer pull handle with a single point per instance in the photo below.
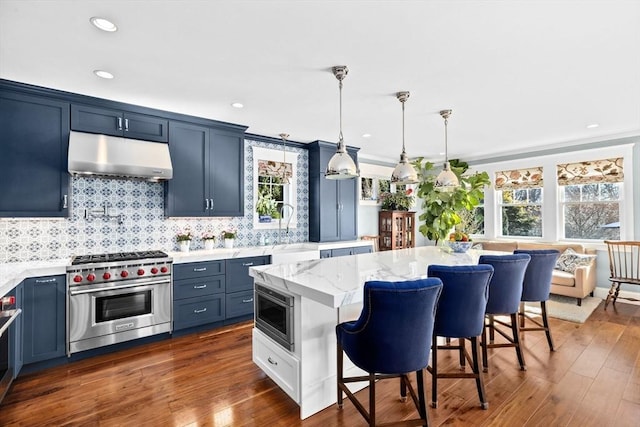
(200, 311)
(247, 300)
(46, 280)
(200, 269)
(199, 286)
(273, 362)
(247, 264)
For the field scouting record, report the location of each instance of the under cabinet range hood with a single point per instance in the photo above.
(92, 154)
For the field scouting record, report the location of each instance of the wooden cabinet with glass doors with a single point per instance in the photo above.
(396, 230)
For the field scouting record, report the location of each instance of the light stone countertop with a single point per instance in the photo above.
(13, 273)
(339, 281)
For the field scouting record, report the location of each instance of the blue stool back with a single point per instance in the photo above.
(537, 278)
(464, 298)
(393, 333)
(505, 289)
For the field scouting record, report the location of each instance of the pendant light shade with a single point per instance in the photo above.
(446, 180)
(341, 165)
(404, 173)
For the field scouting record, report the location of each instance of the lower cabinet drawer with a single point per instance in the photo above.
(189, 288)
(239, 304)
(280, 365)
(198, 311)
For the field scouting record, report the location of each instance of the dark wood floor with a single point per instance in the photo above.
(208, 379)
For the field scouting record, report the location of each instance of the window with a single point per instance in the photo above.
(590, 199)
(472, 222)
(520, 202)
(275, 173)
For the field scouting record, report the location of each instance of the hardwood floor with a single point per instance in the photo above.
(208, 379)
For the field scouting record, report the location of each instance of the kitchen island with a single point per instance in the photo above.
(325, 292)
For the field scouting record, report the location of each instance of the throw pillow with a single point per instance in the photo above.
(570, 260)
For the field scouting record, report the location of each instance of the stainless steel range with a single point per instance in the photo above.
(117, 297)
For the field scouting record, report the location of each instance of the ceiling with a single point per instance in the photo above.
(518, 75)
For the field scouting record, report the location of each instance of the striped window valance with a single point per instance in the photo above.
(591, 172)
(274, 169)
(519, 178)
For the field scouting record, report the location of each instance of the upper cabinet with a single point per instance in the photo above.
(207, 171)
(90, 119)
(333, 204)
(34, 136)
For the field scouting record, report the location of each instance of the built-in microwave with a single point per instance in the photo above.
(274, 315)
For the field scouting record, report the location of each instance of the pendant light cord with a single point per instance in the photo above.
(340, 86)
(446, 145)
(403, 152)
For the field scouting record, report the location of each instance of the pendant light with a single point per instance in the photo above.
(341, 165)
(285, 178)
(404, 173)
(446, 181)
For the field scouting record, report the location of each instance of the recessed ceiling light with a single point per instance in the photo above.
(237, 105)
(103, 24)
(592, 126)
(366, 135)
(103, 74)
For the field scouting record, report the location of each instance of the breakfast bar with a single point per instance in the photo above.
(320, 294)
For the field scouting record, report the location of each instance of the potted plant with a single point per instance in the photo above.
(265, 207)
(441, 210)
(229, 236)
(209, 239)
(184, 239)
(401, 200)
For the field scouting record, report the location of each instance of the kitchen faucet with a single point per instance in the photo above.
(283, 205)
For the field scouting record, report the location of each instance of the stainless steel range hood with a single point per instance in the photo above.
(91, 154)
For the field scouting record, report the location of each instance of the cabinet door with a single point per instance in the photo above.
(198, 311)
(148, 128)
(329, 210)
(15, 334)
(341, 252)
(239, 304)
(226, 173)
(347, 214)
(34, 180)
(97, 120)
(44, 318)
(238, 278)
(187, 193)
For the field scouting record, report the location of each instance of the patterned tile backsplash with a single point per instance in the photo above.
(136, 219)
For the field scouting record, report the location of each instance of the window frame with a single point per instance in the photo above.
(500, 204)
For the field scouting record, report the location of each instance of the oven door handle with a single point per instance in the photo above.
(113, 288)
(14, 315)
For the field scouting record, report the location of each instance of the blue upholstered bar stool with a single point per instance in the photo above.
(460, 315)
(390, 339)
(505, 290)
(536, 288)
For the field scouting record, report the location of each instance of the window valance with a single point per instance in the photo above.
(519, 179)
(591, 172)
(274, 169)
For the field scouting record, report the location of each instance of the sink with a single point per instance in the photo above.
(286, 254)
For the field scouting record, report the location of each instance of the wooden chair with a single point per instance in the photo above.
(375, 241)
(624, 266)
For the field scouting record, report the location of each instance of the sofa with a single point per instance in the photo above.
(578, 284)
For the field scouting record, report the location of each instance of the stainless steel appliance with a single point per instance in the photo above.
(274, 315)
(117, 297)
(8, 314)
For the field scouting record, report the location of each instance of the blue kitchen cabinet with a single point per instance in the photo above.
(106, 121)
(355, 250)
(332, 203)
(239, 290)
(44, 318)
(15, 333)
(198, 293)
(34, 135)
(207, 172)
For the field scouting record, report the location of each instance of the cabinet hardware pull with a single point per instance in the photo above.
(126, 125)
(273, 362)
(45, 280)
(211, 203)
(247, 264)
(65, 202)
(199, 286)
(207, 203)
(247, 300)
(200, 269)
(119, 123)
(200, 311)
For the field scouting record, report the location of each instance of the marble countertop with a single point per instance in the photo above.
(11, 274)
(339, 281)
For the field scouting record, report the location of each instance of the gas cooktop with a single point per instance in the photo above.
(116, 257)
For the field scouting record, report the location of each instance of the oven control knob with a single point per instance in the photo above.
(91, 277)
(154, 270)
(77, 278)
(163, 269)
(106, 276)
(124, 273)
(140, 272)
